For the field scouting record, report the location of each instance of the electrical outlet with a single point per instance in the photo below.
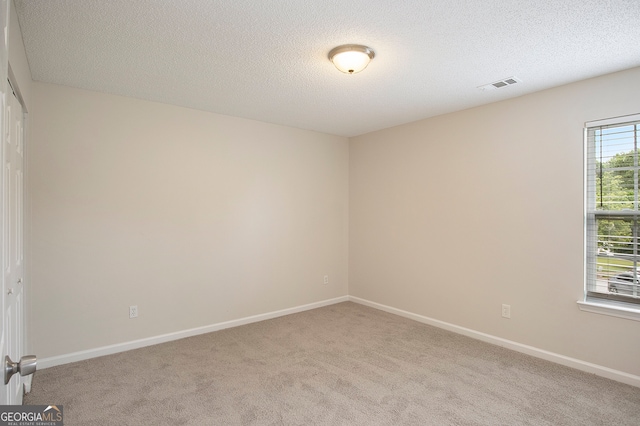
(133, 311)
(506, 311)
(326, 279)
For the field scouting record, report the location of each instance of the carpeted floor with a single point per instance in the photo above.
(344, 364)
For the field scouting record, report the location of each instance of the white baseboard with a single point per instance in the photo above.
(127, 346)
(588, 367)
(26, 383)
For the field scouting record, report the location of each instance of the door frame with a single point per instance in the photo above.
(12, 86)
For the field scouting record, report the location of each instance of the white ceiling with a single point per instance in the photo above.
(267, 59)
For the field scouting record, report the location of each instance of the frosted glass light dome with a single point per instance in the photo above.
(351, 58)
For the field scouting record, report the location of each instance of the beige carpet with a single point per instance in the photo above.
(344, 364)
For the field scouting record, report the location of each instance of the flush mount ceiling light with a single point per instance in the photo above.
(351, 58)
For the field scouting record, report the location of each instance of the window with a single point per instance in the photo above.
(613, 211)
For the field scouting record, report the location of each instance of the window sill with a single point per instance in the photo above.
(611, 308)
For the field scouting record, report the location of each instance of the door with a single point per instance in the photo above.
(13, 241)
(4, 60)
(12, 231)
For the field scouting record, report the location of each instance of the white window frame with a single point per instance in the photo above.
(591, 302)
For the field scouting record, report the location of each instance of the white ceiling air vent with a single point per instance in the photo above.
(500, 83)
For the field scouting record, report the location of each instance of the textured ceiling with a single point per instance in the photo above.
(267, 59)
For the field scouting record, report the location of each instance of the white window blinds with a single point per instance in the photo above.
(612, 209)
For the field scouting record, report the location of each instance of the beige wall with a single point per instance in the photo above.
(194, 217)
(453, 216)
